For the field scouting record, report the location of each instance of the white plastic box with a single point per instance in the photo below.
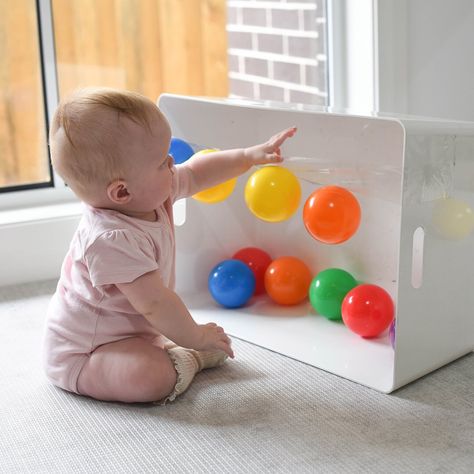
(400, 169)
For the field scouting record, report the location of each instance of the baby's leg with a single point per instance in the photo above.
(130, 370)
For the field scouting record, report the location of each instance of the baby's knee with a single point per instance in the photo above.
(153, 379)
(127, 374)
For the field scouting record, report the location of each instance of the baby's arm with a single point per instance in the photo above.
(213, 168)
(166, 312)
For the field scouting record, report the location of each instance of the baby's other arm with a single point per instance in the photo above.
(166, 312)
(210, 169)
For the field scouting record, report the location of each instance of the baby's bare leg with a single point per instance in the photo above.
(130, 370)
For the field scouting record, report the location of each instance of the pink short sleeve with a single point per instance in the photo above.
(119, 256)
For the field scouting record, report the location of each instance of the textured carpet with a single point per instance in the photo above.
(261, 412)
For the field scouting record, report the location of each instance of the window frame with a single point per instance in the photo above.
(55, 190)
(352, 41)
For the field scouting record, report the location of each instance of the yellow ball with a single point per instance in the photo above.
(453, 219)
(216, 193)
(273, 193)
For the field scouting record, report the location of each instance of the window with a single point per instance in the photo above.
(261, 50)
(23, 151)
(51, 47)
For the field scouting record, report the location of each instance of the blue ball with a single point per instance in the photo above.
(180, 150)
(231, 283)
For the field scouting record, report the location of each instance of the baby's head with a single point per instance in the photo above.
(101, 136)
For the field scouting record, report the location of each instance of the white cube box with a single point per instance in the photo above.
(404, 171)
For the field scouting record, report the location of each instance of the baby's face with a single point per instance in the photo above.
(151, 177)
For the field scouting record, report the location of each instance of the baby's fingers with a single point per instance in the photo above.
(225, 347)
(279, 138)
(224, 344)
(222, 336)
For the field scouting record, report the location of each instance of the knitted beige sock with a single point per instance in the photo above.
(209, 359)
(188, 363)
(186, 367)
(205, 359)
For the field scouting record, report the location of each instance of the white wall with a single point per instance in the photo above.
(426, 57)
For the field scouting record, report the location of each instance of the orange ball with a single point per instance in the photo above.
(331, 214)
(287, 280)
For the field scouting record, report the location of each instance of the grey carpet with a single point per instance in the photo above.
(261, 412)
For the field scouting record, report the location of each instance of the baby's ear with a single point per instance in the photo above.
(117, 192)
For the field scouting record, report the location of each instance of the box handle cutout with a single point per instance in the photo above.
(179, 211)
(417, 257)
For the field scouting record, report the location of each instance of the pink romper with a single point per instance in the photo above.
(87, 309)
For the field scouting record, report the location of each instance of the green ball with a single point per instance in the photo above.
(328, 289)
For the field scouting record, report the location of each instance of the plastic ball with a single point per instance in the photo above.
(331, 214)
(273, 193)
(453, 219)
(367, 310)
(258, 260)
(180, 150)
(231, 283)
(391, 333)
(217, 193)
(287, 280)
(328, 289)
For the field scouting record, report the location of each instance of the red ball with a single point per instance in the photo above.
(258, 260)
(287, 280)
(367, 310)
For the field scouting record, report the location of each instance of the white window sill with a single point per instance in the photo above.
(35, 240)
(40, 213)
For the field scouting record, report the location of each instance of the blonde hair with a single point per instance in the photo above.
(90, 152)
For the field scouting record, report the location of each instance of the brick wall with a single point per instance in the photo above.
(277, 50)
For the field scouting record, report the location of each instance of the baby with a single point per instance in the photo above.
(116, 330)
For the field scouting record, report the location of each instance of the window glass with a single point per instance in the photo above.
(266, 50)
(149, 46)
(23, 152)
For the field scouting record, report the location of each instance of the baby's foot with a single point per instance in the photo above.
(205, 359)
(209, 359)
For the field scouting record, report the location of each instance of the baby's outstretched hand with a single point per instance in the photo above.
(268, 152)
(213, 337)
